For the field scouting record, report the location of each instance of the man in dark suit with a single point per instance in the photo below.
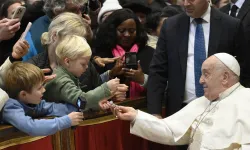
(185, 41)
(241, 9)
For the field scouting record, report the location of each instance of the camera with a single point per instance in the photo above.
(131, 60)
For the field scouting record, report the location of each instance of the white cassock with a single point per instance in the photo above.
(222, 124)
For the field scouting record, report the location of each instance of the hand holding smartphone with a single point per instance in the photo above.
(19, 12)
(80, 104)
(131, 60)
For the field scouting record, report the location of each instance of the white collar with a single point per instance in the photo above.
(228, 91)
(205, 16)
(239, 3)
(153, 37)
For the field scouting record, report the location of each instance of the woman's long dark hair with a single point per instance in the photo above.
(106, 36)
(5, 5)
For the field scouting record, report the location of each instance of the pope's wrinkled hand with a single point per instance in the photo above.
(124, 113)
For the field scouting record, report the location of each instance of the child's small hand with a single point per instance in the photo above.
(120, 94)
(103, 104)
(113, 84)
(48, 77)
(76, 118)
(20, 49)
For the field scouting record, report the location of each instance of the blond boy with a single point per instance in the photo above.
(73, 54)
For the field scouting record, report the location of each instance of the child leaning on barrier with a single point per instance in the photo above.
(24, 85)
(73, 53)
(19, 50)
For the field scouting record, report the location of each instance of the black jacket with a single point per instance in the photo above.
(244, 16)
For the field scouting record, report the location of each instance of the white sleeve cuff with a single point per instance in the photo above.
(145, 81)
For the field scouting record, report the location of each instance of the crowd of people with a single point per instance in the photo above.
(190, 56)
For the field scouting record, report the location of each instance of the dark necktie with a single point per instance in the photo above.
(233, 11)
(199, 56)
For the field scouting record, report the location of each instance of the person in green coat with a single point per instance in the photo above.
(73, 55)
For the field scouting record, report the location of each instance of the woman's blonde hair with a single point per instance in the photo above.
(22, 76)
(72, 47)
(66, 24)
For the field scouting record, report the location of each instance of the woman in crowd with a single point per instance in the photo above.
(122, 32)
(7, 8)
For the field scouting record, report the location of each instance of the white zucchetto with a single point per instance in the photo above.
(229, 61)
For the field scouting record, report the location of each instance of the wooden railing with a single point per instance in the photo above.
(10, 136)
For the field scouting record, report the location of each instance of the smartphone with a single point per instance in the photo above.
(26, 31)
(80, 103)
(131, 60)
(19, 12)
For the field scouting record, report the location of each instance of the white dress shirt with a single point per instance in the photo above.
(239, 4)
(190, 77)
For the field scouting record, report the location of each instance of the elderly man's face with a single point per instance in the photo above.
(195, 8)
(211, 78)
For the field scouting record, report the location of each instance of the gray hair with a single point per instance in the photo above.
(52, 6)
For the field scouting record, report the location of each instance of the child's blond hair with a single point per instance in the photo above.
(22, 76)
(72, 47)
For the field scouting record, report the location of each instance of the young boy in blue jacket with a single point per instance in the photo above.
(24, 84)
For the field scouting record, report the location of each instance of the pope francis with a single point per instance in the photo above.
(218, 120)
